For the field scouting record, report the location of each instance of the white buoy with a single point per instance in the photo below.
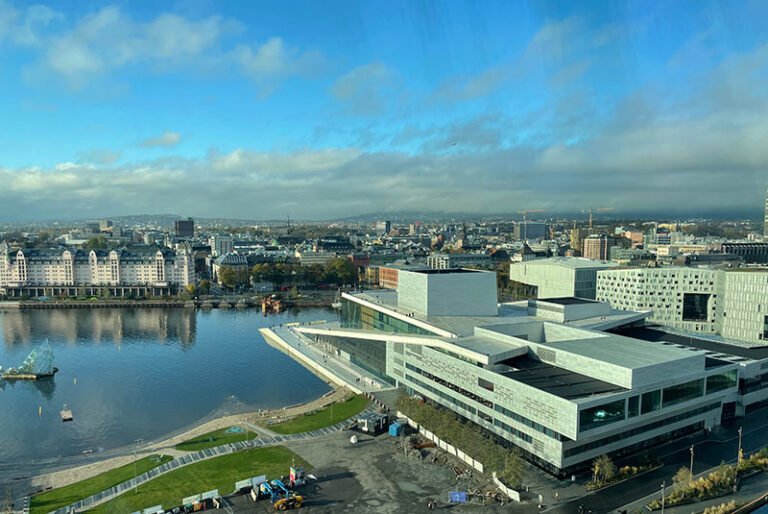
(75, 380)
(353, 439)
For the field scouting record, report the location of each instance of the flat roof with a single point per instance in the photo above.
(449, 271)
(558, 381)
(655, 335)
(569, 262)
(566, 300)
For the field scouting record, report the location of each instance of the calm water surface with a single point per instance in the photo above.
(140, 373)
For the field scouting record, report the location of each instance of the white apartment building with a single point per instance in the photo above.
(41, 272)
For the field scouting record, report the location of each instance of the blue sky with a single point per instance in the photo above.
(324, 109)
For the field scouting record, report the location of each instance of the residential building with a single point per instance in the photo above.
(184, 228)
(765, 220)
(544, 376)
(221, 244)
(134, 270)
(596, 247)
(577, 240)
(235, 261)
(558, 277)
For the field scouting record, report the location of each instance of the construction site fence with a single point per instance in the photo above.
(508, 491)
(475, 464)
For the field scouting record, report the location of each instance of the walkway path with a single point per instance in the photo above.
(191, 458)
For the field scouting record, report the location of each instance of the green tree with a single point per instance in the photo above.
(204, 286)
(512, 472)
(96, 243)
(227, 276)
(340, 271)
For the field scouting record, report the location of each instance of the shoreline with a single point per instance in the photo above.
(248, 420)
(216, 303)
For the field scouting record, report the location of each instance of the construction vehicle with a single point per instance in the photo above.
(289, 502)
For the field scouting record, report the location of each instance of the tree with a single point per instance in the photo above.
(340, 271)
(513, 469)
(96, 243)
(682, 480)
(603, 469)
(227, 276)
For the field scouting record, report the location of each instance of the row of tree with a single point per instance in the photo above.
(468, 437)
(338, 271)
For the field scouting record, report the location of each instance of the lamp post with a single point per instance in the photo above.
(663, 487)
(738, 461)
(135, 471)
(691, 463)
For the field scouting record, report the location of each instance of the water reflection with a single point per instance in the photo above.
(46, 387)
(101, 325)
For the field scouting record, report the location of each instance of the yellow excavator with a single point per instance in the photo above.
(289, 502)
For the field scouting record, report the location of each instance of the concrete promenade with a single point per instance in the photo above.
(321, 360)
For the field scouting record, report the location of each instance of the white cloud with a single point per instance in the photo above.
(108, 39)
(369, 89)
(166, 139)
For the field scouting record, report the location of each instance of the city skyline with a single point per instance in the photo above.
(226, 110)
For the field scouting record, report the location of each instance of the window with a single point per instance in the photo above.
(683, 392)
(485, 384)
(720, 382)
(695, 306)
(633, 407)
(650, 402)
(601, 415)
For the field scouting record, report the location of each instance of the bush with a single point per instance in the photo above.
(723, 508)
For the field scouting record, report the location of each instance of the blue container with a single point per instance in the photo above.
(395, 429)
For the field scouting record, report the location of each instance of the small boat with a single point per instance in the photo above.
(337, 301)
(66, 414)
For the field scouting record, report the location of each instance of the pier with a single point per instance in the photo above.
(212, 303)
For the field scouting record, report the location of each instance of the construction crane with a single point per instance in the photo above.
(525, 213)
(592, 210)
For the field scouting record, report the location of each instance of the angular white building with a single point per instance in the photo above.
(560, 276)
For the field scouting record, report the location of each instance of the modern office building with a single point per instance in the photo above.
(559, 277)
(544, 376)
(184, 228)
(731, 303)
(458, 260)
(383, 227)
(752, 253)
(681, 298)
(765, 220)
(596, 247)
(531, 230)
(135, 270)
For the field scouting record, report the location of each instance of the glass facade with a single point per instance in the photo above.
(601, 415)
(720, 382)
(362, 317)
(633, 406)
(683, 392)
(650, 402)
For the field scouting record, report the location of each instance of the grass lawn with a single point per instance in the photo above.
(322, 418)
(52, 500)
(215, 438)
(218, 473)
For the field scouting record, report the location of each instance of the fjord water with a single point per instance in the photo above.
(140, 373)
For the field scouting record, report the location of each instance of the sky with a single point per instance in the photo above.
(317, 110)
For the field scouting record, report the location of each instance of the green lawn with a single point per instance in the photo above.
(215, 438)
(323, 417)
(52, 500)
(218, 473)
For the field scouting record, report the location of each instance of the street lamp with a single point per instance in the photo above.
(738, 461)
(135, 471)
(663, 486)
(691, 463)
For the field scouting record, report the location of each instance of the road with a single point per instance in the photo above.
(709, 451)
